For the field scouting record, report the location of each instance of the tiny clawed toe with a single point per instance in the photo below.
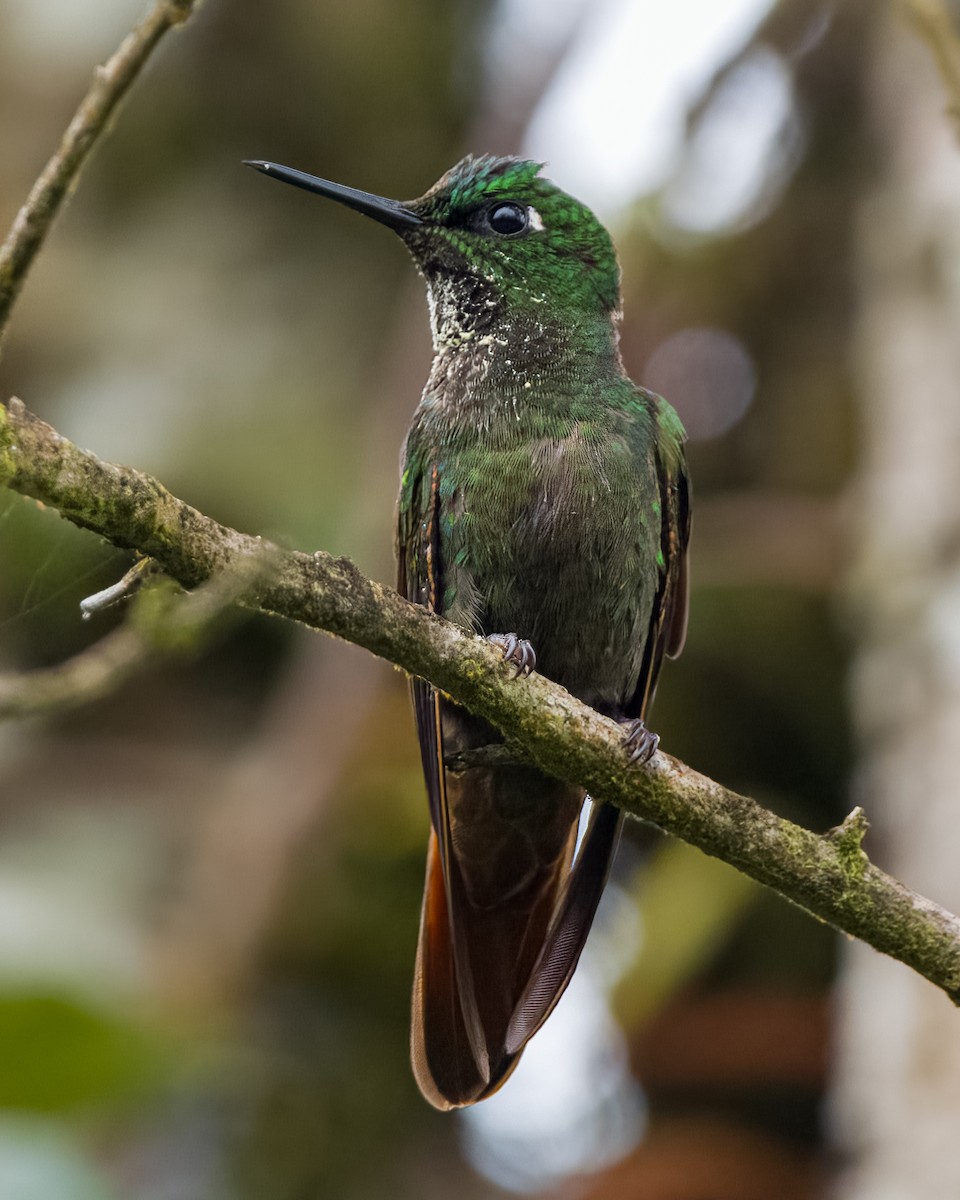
(640, 743)
(515, 650)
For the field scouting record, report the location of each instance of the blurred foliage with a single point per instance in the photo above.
(262, 357)
(59, 1054)
(685, 902)
(39, 1159)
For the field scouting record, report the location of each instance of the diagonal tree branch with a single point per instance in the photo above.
(828, 875)
(111, 82)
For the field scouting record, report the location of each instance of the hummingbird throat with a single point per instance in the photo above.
(518, 333)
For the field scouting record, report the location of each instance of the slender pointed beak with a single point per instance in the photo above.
(387, 212)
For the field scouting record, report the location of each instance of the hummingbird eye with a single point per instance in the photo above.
(507, 219)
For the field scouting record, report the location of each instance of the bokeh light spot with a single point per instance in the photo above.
(571, 1107)
(708, 376)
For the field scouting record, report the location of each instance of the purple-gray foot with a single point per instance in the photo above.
(639, 742)
(515, 650)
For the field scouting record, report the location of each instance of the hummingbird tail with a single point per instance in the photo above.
(487, 978)
(444, 1065)
(568, 929)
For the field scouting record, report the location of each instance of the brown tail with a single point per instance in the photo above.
(487, 976)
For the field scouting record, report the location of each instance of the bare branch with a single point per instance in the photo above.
(828, 875)
(162, 622)
(87, 676)
(111, 81)
(123, 589)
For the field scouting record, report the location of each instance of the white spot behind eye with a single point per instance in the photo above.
(536, 221)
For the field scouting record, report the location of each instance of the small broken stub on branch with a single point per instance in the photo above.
(123, 589)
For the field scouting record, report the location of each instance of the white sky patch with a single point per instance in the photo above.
(518, 28)
(743, 151)
(611, 125)
(570, 1106)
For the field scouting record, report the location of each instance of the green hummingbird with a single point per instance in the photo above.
(544, 502)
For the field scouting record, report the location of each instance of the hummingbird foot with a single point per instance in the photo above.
(515, 650)
(639, 742)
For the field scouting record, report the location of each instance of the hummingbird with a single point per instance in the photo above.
(545, 505)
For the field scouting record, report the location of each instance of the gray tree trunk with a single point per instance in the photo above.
(897, 1097)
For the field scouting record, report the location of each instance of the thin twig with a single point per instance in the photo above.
(123, 589)
(828, 875)
(111, 81)
(87, 676)
(160, 624)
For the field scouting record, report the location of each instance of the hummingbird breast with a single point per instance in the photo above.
(550, 529)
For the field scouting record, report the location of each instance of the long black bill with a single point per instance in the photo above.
(387, 212)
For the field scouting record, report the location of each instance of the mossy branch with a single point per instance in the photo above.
(828, 875)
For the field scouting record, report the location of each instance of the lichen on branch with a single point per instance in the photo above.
(828, 875)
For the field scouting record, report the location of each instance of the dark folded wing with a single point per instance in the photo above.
(445, 1021)
(668, 619)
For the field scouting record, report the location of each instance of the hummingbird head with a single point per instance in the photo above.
(498, 221)
(496, 242)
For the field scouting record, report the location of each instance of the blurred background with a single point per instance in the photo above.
(210, 880)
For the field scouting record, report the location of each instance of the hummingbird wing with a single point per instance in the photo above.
(675, 588)
(504, 917)
(447, 1042)
(668, 620)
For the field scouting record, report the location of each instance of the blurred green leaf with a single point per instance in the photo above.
(58, 1054)
(688, 902)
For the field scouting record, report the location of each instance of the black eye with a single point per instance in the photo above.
(507, 219)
